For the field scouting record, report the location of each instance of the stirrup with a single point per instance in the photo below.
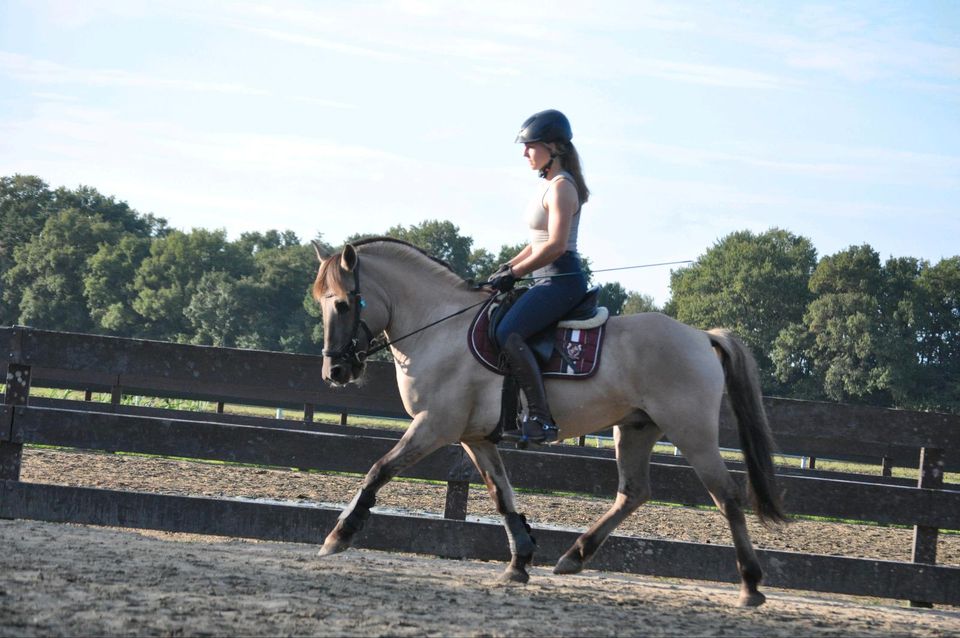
(534, 430)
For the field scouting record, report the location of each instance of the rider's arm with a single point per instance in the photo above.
(520, 256)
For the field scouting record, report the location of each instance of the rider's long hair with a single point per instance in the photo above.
(570, 162)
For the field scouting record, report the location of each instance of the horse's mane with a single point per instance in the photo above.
(329, 279)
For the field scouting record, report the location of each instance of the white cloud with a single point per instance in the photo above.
(32, 70)
(814, 160)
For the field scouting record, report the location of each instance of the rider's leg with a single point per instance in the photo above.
(536, 310)
(538, 427)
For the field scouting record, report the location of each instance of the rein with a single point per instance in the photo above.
(387, 344)
(352, 351)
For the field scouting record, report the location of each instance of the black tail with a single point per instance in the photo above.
(756, 441)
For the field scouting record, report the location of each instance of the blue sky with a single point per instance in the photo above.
(838, 121)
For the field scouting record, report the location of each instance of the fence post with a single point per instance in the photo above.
(458, 486)
(925, 538)
(116, 396)
(886, 466)
(17, 394)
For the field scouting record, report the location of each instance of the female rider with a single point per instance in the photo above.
(551, 258)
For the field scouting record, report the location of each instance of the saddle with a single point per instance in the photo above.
(570, 349)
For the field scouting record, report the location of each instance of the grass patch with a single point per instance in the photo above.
(286, 414)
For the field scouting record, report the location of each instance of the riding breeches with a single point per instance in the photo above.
(559, 287)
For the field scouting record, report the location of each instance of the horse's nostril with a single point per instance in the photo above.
(339, 374)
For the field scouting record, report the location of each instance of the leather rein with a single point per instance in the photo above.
(352, 351)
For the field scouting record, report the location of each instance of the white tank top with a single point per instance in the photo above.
(537, 217)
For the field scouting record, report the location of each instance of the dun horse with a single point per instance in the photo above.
(658, 377)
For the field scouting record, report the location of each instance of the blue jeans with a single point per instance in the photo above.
(547, 301)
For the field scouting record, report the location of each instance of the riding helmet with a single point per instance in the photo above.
(546, 126)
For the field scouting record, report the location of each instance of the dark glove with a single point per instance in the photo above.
(503, 280)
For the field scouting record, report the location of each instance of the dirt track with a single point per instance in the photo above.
(75, 580)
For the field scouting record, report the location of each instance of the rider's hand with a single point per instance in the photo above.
(504, 279)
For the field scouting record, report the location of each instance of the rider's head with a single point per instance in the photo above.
(552, 129)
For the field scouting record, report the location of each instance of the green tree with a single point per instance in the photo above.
(937, 325)
(275, 297)
(25, 201)
(847, 348)
(90, 201)
(638, 302)
(862, 338)
(613, 296)
(46, 283)
(109, 288)
(482, 264)
(441, 239)
(756, 285)
(215, 311)
(168, 278)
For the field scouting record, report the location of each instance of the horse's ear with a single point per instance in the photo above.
(322, 253)
(348, 258)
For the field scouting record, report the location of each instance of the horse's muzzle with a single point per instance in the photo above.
(340, 373)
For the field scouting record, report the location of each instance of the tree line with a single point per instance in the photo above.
(845, 327)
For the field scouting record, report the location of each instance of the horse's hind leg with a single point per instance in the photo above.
(418, 441)
(726, 494)
(634, 443)
(522, 546)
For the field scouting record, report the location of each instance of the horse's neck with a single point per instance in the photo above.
(417, 297)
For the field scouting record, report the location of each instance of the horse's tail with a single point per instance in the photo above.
(756, 441)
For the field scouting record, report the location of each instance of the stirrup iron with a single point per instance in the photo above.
(534, 430)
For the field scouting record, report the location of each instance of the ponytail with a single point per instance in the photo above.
(570, 161)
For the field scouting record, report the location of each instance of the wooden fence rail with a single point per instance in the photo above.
(123, 366)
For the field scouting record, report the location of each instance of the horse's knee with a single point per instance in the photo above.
(633, 496)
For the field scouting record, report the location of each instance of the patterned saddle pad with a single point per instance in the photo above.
(576, 352)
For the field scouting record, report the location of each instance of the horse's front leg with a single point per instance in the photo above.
(418, 441)
(522, 546)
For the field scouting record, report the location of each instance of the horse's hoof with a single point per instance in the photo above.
(331, 547)
(751, 599)
(514, 575)
(567, 565)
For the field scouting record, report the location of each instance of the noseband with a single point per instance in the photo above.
(351, 352)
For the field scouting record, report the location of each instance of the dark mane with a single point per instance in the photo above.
(393, 240)
(329, 280)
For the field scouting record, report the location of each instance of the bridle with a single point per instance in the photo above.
(351, 351)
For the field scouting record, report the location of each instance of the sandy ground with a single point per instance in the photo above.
(60, 579)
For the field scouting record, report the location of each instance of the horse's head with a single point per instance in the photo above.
(345, 313)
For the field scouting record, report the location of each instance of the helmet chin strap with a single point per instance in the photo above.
(546, 167)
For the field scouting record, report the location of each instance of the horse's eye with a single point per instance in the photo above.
(341, 306)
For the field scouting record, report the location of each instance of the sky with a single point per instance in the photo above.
(837, 121)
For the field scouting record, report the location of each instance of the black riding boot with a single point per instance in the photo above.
(538, 426)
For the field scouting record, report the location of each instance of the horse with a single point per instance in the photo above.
(658, 377)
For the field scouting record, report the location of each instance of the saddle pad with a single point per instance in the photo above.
(582, 348)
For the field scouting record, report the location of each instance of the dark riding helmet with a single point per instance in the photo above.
(546, 126)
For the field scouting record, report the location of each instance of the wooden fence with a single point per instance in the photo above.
(124, 367)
